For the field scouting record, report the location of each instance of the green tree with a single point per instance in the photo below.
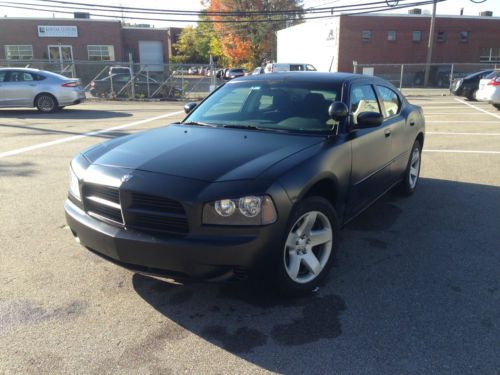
(196, 44)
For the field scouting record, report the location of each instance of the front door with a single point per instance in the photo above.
(63, 55)
(18, 89)
(371, 152)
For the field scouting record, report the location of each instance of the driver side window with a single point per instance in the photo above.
(363, 99)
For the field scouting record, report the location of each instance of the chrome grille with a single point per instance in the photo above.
(153, 213)
(103, 203)
(133, 210)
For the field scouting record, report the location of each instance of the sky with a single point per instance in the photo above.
(449, 7)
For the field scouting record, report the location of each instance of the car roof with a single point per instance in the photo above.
(22, 69)
(337, 78)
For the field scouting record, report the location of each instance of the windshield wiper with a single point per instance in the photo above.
(249, 127)
(198, 123)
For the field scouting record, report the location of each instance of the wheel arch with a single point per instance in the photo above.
(45, 93)
(420, 138)
(326, 187)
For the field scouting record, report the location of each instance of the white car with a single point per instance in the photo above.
(288, 67)
(489, 89)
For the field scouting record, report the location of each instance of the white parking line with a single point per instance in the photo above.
(454, 133)
(464, 151)
(450, 113)
(454, 106)
(478, 109)
(83, 135)
(471, 122)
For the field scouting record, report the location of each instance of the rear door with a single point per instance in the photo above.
(19, 89)
(371, 151)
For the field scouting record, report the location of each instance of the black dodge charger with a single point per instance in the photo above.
(257, 179)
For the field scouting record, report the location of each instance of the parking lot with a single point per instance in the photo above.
(415, 288)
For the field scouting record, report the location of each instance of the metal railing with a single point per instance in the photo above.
(412, 75)
(126, 80)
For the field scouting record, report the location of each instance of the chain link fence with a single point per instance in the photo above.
(407, 76)
(124, 80)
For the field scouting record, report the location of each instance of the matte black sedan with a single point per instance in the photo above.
(259, 176)
(468, 85)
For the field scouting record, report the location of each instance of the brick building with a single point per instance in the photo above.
(84, 39)
(334, 44)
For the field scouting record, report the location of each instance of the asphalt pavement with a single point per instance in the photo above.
(415, 288)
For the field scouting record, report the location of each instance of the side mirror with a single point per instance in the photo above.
(338, 111)
(369, 120)
(188, 107)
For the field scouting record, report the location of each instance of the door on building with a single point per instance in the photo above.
(63, 55)
(151, 55)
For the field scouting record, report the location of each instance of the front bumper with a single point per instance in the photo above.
(192, 256)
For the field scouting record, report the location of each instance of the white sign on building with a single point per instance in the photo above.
(50, 31)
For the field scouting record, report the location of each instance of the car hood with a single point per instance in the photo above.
(202, 153)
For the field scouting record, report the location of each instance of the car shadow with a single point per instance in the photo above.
(65, 114)
(22, 169)
(415, 287)
(49, 131)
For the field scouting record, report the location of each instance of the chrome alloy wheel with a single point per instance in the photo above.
(308, 247)
(46, 103)
(414, 167)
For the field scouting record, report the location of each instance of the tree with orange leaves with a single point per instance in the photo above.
(251, 39)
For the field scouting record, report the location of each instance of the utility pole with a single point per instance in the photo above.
(430, 45)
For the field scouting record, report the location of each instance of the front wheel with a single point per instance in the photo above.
(412, 172)
(308, 249)
(497, 106)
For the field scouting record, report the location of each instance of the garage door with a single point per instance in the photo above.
(151, 55)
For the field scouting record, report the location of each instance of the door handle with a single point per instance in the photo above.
(412, 123)
(32, 84)
(387, 132)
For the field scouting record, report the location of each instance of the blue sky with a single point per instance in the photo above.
(449, 7)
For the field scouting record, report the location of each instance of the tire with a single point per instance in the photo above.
(472, 95)
(46, 103)
(497, 106)
(412, 173)
(60, 108)
(301, 265)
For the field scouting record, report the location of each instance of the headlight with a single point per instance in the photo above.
(74, 184)
(249, 210)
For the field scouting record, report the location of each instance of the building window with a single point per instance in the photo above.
(464, 36)
(441, 36)
(417, 36)
(490, 55)
(101, 53)
(21, 52)
(391, 36)
(366, 35)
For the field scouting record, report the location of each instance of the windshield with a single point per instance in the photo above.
(270, 105)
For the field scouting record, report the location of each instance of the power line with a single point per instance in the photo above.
(240, 13)
(263, 18)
